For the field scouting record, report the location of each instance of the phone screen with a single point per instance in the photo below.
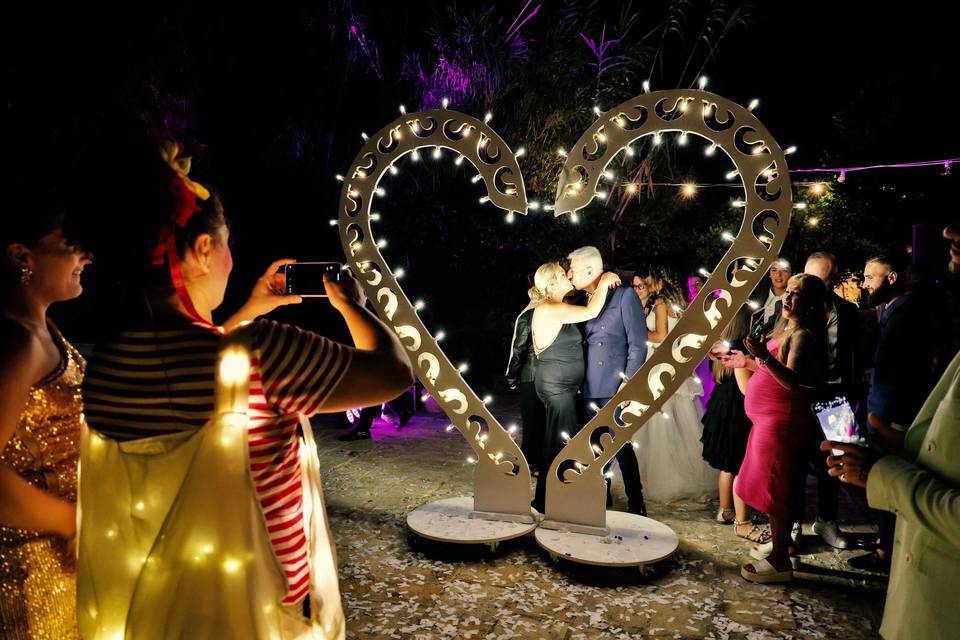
(306, 278)
(837, 421)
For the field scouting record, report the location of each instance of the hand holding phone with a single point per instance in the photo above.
(345, 292)
(268, 293)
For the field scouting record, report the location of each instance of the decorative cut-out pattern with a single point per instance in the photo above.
(502, 478)
(575, 483)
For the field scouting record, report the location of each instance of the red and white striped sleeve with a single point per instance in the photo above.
(299, 369)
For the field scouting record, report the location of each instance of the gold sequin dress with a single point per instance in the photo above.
(37, 584)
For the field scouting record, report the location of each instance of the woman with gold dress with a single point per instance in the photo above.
(40, 413)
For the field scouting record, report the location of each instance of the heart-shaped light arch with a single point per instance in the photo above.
(575, 483)
(502, 477)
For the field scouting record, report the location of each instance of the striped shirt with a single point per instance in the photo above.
(144, 383)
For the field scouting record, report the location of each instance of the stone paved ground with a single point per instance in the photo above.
(395, 586)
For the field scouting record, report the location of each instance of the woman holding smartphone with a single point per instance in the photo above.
(777, 377)
(151, 391)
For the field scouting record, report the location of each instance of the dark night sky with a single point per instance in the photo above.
(261, 84)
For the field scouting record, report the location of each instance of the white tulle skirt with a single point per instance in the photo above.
(670, 452)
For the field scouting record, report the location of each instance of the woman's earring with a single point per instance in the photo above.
(25, 274)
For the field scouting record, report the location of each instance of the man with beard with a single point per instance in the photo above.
(902, 368)
(906, 347)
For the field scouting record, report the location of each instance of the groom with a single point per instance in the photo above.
(616, 342)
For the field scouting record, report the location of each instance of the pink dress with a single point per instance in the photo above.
(773, 472)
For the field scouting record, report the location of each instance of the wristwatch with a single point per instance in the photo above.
(762, 360)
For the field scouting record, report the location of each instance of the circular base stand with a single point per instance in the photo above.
(633, 541)
(449, 520)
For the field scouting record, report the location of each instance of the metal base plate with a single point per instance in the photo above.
(452, 520)
(633, 541)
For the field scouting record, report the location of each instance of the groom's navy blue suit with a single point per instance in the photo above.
(616, 342)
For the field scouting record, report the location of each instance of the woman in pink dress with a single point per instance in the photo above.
(777, 378)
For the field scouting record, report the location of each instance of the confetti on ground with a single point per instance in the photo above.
(395, 586)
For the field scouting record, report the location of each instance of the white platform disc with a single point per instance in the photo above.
(449, 520)
(633, 541)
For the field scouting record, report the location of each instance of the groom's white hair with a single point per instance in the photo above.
(587, 253)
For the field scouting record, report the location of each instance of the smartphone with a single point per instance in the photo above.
(838, 422)
(305, 279)
(756, 325)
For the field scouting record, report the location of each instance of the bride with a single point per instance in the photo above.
(668, 445)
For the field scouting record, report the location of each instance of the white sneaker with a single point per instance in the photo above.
(830, 533)
(795, 532)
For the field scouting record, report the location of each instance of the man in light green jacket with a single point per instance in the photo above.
(923, 489)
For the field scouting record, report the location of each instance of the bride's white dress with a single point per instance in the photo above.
(668, 445)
